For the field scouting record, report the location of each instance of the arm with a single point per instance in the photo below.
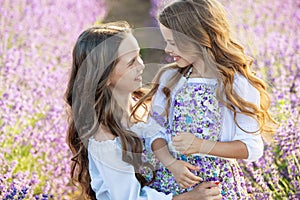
(232, 149)
(253, 141)
(204, 191)
(180, 169)
(242, 145)
(112, 178)
(106, 166)
(187, 143)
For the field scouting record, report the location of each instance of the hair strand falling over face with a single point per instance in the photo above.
(91, 102)
(204, 22)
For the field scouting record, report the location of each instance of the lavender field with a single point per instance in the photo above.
(36, 39)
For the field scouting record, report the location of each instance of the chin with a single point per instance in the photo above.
(182, 65)
(137, 87)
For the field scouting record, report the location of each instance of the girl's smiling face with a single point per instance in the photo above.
(181, 58)
(127, 74)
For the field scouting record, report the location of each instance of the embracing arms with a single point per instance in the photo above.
(187, 143)
(112, 178)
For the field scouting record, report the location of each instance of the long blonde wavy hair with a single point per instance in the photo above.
(91, 102)
(205, 23)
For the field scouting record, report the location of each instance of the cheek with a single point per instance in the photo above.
(127, 77)
(116, 77)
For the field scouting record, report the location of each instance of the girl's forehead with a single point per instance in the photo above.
(166, 31)
(128, 45)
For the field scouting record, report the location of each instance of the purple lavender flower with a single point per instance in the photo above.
(266, 29)
(35, 56)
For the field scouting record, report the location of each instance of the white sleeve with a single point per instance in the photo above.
(253, 141)
(114, 179)
(159, 101)
(156, 124)
(149, 131)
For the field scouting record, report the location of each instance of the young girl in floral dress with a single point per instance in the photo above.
(212, 107)
(105, 76)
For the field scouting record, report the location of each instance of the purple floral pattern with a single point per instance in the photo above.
(197, 110)
(267, 31)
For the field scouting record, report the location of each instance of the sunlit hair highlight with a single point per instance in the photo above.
(204, 25)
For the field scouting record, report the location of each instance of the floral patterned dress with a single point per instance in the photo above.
(196, 110)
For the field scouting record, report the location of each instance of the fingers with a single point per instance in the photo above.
(191, 167)
(209, 184)
(185, 143)
(180, 146)
(187, 178)
(192, 176)
(187, 182)
(176, 139)
(181, 149)
(181, 136)
(193, 179)
(210, 189)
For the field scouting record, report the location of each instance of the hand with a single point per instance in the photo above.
(186, 143)
(206, 191)
(183, 176)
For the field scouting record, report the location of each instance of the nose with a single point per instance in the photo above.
(168, 49)
(141, 65)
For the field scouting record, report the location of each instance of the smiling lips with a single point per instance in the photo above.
(139, 77)
(175, 57)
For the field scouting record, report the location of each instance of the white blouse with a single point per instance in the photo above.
(230, 131)
(114, 179)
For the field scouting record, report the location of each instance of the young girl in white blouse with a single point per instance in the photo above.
(106, 162)
(212, 107)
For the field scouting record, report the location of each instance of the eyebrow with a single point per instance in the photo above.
(134, 58)
(170, 40)
(131, 61)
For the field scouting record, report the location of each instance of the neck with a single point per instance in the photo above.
(200, 70)
(124, 99)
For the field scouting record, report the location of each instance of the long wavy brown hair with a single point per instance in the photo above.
(205, 24)
(91, 102)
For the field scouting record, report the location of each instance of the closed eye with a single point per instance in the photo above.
(170, 42)
(131, 62)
